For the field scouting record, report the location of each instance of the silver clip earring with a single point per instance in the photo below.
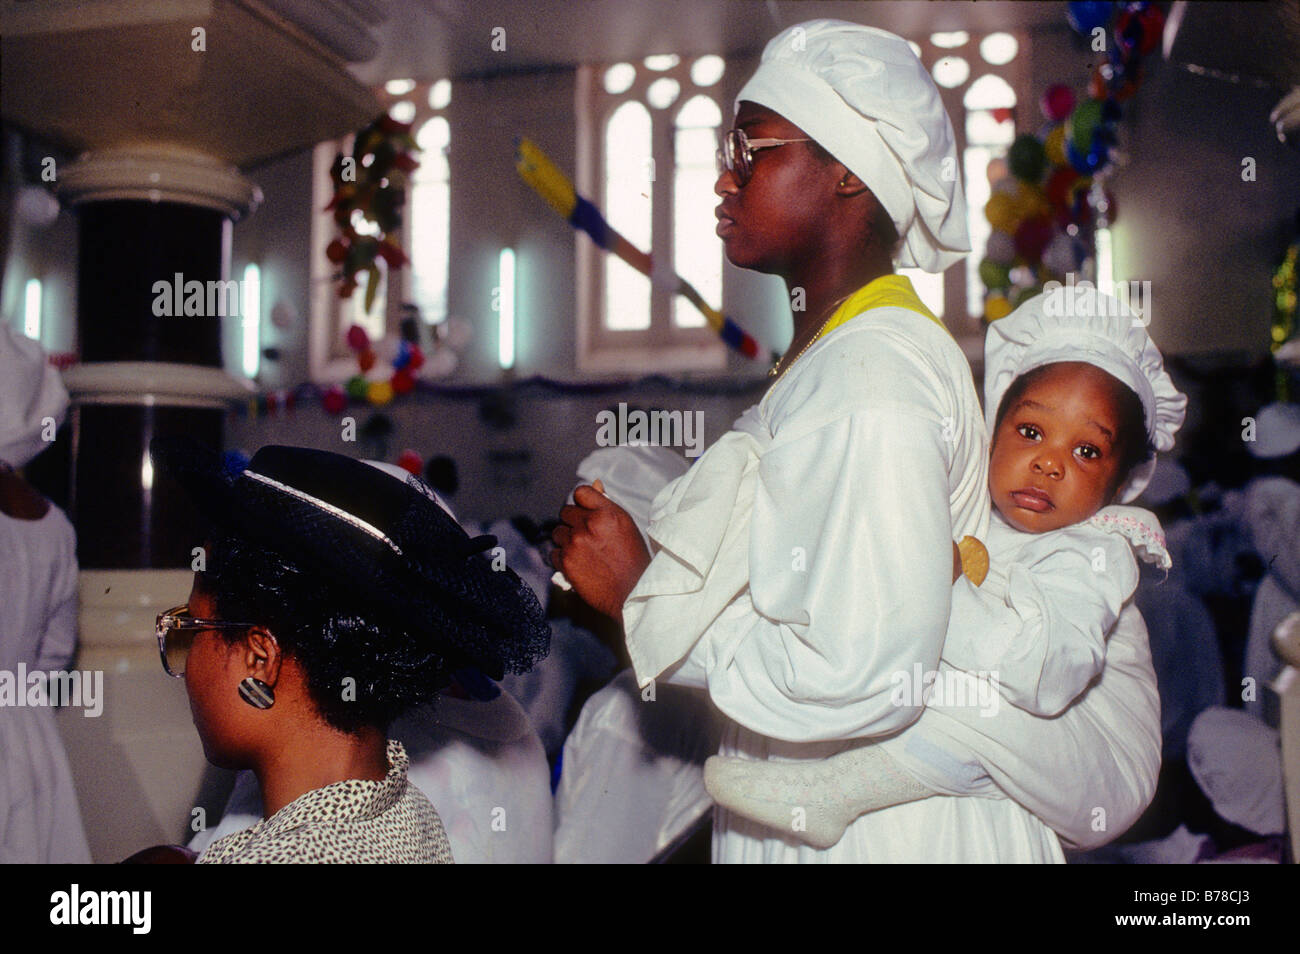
(256, 693)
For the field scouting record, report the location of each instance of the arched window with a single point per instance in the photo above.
(989, 104)
(649, 131)
(628, 205)
(977, 78)
(697, 250)
(430, 216)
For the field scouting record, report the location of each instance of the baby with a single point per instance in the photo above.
(1078, 405)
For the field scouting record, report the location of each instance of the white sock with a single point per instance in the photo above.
(813, 801)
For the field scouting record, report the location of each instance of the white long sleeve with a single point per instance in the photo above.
(58, 643)
(875, 463)
(1040, 623)
(1089, 773)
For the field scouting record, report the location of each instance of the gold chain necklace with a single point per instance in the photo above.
(777, 369)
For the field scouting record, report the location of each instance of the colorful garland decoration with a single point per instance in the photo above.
(1284, 307)
(554, 186)
(1043, 212)
(369, 188)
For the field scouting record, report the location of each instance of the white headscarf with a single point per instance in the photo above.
(1078, 323)
(31, 393)
(862, 94)
(1277, 431)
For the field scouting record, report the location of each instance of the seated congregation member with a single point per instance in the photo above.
(334, 598)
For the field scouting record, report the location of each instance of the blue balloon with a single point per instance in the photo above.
(1084, 163)
(1087, 16)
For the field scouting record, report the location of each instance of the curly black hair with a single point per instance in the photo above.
(363, 669)
(1135, 448)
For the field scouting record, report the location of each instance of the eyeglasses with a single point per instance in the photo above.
(176, 630)
(737, 153)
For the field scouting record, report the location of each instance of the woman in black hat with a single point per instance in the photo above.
(334, 597)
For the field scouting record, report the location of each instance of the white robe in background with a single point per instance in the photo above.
(632, 780)
(1273, 513)
(40, 820)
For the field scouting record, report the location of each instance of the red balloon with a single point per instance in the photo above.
(1032, 237)
(1058, 188)
(410, 461)
(334, 400)
(403, 382)
(357, 338)
(1057, 102)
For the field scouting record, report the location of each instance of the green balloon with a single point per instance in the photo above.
(356, 387)
(1083, 123)
(994, 275)
(1025, 294)
(1026, 158)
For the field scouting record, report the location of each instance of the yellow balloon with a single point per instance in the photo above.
(995, 307)
(1055, 146)
(379, 393)
(1030, 202)
(1002, 212)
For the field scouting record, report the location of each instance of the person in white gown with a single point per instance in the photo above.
(860, 466)
(40, 820)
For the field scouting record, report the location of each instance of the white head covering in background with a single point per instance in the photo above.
(1081, 324)
(404, 475)
(632, 475)
(1277, 431)
(862, 94)
(1168, 482)
(31, 390)
(1237, 762)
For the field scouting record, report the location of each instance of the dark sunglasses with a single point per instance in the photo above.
(736, 154)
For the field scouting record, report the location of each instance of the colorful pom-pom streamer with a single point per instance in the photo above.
(554, 186)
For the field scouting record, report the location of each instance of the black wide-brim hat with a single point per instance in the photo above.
(387, 550)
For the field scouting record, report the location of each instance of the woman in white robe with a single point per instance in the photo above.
(805, 559)
(40, 819)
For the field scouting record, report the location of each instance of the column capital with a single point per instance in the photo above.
(159, 173)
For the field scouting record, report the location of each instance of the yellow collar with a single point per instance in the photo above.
(887, 291)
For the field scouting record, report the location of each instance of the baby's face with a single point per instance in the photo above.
(1055, 456)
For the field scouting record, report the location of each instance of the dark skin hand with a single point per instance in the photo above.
(18, 499)
(599, 549)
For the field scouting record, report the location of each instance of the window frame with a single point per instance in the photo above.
(663, 347)
(956, 305)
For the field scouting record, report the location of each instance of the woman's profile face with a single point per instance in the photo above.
(770, 222)
(211, 680)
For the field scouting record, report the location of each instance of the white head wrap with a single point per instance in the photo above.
(862, 94)
(31, 390)
(1277, 431)
(1237, 762)
(1078, 323)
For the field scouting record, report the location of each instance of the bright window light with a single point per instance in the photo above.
(506, 309)
(32, 309)
(1105, 263)
(252, 319)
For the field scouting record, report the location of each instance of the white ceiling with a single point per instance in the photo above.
(430, 39)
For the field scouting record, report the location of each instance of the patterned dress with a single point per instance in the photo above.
(356, 821)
